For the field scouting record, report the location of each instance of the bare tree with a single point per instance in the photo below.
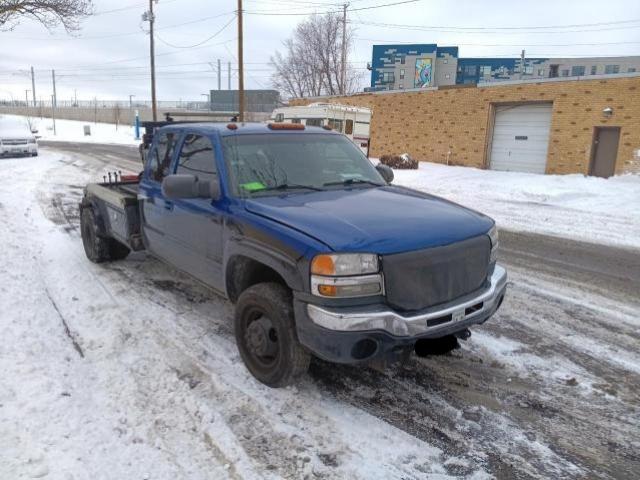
(49, 13)
(312, 61)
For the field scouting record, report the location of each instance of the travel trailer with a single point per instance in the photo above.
(354, 122)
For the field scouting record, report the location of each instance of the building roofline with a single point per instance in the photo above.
(605, 76)
(609, 76)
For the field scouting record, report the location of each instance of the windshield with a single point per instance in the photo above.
(268, 164)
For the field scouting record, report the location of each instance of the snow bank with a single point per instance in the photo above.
(574, 206)
(73, 131)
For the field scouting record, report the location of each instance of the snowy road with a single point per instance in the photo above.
(129, 370)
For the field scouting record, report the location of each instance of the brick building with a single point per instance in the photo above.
(555, 126)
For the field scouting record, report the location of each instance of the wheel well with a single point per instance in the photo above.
(243, 272)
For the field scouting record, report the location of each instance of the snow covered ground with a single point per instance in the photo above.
(107, 377)
(130, 370)
(73, 131)
(574, 206)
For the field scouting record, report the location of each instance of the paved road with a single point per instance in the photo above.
(548, 388)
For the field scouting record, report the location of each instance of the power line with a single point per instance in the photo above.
(199, 43)
(422, 28)
(522, 27)
(272, 13)
(509, 44)
(124, 34)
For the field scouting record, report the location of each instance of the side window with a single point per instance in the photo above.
(197, 158)
(314, 122)
(348, 129)
(335, 124)
(162, 156)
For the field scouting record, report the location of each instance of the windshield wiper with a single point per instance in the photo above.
(290, 186)
(352, 181)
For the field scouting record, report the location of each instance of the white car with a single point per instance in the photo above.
(17, 139)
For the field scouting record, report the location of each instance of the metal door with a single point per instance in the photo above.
(605, 151)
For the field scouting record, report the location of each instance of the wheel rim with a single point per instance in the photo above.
(260, 339)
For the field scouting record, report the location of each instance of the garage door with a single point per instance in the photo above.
(521, 138)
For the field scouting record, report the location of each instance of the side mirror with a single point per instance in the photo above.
(34, 130)
(386, 172)
(188, 186)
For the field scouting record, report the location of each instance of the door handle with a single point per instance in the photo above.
(168, 205)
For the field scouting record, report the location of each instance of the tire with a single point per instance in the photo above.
(34, 154)
(266, 335)
(96, 247)
(117, 250)
(436, 346)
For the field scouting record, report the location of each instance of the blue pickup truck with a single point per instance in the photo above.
(321, 254)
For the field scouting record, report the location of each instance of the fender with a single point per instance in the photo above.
(89, 202)
(283, 264)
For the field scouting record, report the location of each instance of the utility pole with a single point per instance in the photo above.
(131, 108)
(26, 97)
(53, 112)
(55, 97)
(33, 87)
(343, 72)
(149, 16)
(240, 66)
(219, 76)
(521, 64)
(228, 75)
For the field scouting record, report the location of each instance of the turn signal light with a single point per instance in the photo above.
(328, 290)
(323, 265)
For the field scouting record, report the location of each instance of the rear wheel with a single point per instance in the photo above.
(98, 248)
(266, 335)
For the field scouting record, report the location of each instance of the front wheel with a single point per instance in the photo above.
(266, 335)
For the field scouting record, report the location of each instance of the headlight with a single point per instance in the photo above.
(493, 235)
(346, 275)
(343, 264)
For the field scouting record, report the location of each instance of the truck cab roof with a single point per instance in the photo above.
(251, 128)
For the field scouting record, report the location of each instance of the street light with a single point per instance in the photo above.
(208, 100)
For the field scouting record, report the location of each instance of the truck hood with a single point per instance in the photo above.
(381, 220)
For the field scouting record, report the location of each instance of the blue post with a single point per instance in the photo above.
(137, 125)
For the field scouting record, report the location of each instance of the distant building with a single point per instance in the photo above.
(255, 100)
(398, 67)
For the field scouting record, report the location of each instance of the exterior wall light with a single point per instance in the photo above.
(607, 112)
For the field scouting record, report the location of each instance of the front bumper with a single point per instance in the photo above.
(22, 149)
(336, 334)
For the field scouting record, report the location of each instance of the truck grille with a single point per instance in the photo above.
(423, 278)
(14, 141)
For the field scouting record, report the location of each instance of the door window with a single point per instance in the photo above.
(348, 129)
(197, 158)
(163, 155)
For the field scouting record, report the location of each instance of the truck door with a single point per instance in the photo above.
(195, 224)
(154, 205)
